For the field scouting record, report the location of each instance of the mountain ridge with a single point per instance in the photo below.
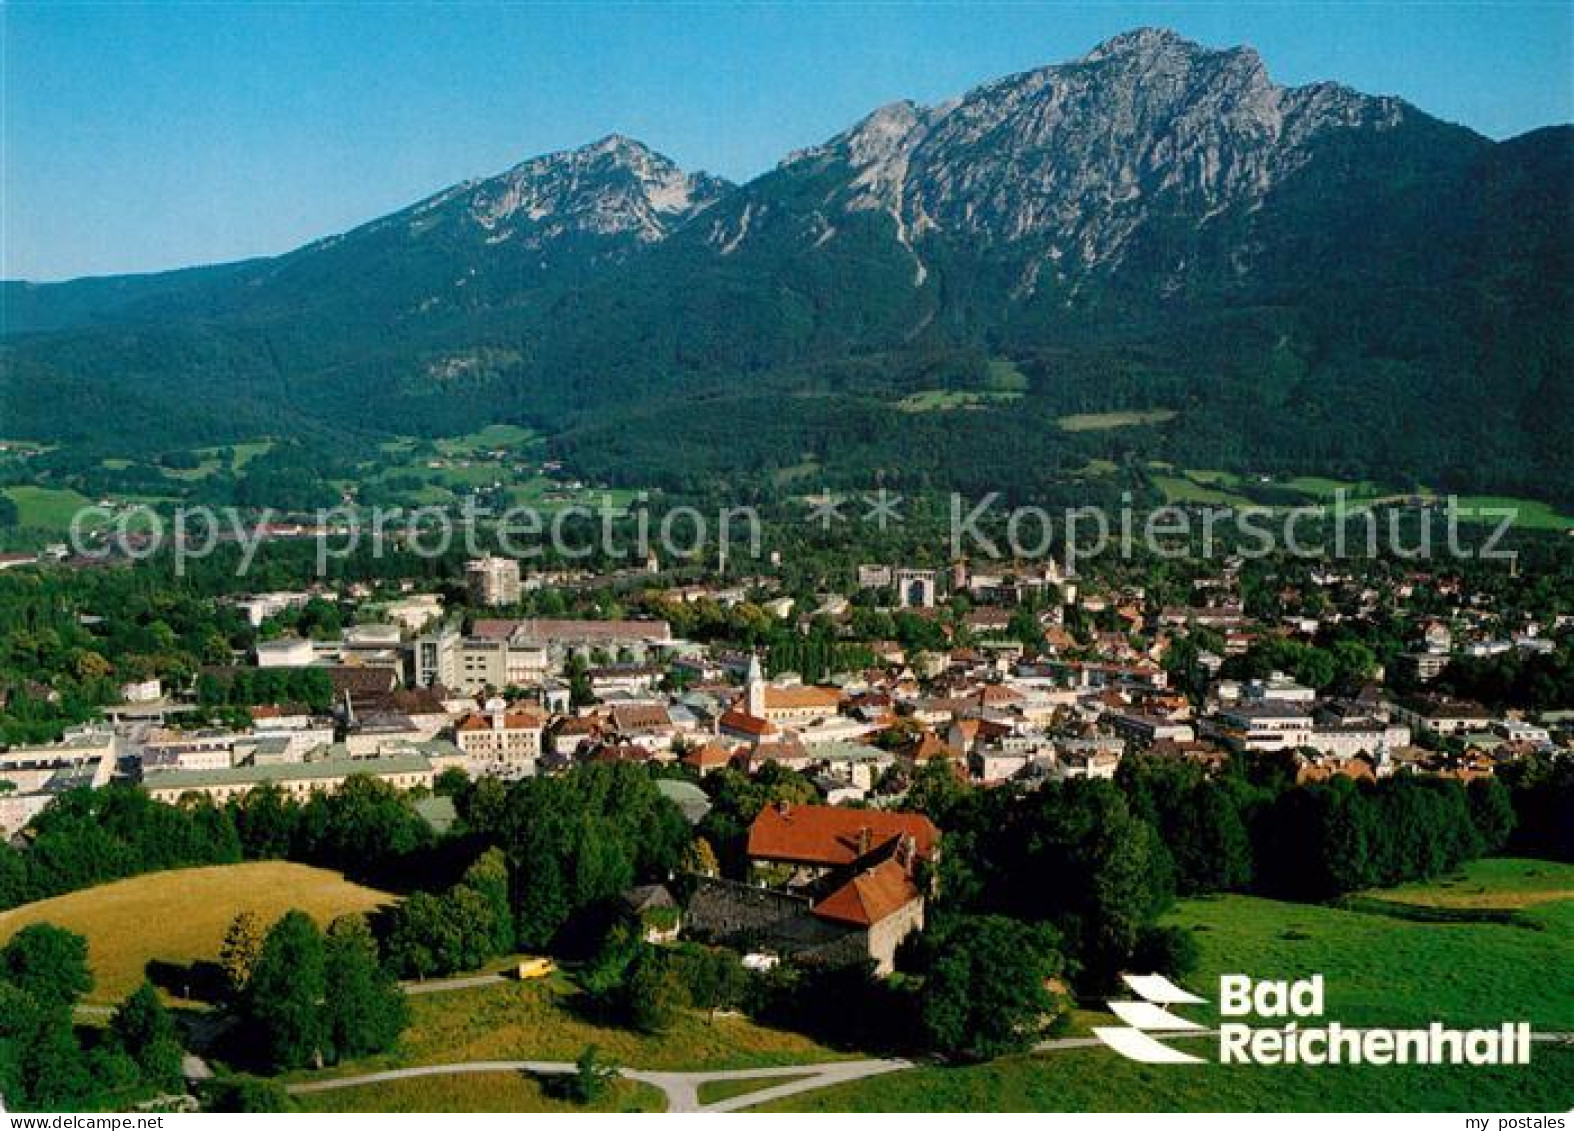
(1153, 209)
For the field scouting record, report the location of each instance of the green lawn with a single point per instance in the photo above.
(1096, 1079)
(1096, 467)
(1499, 883)
(244, 452)
(1184, 489)
(466, 463)
(548, 1020)
(190, 474)
(1384, 970)
(1103, 421)
(1531, 514)
(1320, 487)
(490, 438)
(807, 468)
(946, 400)
(1003, 376)
(248, 450)
(46, 508)
(1222, 488)
(1379, 970)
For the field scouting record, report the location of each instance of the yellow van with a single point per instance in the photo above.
(532, 968)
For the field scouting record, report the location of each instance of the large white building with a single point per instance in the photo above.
(499, 739)
(1266, 725)
(289, 652)
(261, 606)
(523, 653)
(37, 774)
(405, 769)
(493, 581)
(1346, 740)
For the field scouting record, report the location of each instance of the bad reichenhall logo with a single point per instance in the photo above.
(1289, 1040)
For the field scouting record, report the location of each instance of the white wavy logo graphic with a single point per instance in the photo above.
(1150, 1016)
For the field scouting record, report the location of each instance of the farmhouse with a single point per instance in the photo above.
(857, 888)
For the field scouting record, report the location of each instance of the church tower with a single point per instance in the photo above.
(754, 689)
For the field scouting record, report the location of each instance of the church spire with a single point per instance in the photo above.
(754, 688)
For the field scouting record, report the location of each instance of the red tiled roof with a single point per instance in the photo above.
(994, 693)
(741, 722)
(801, 698)
(278, 710)
(624, 752)
(711, 756)
(827, 836)
(513, 720)
(928, 746)
(640, 716)
(416, 701)
(870, 896)
(360, 680)
(494, 629)
(543, 629)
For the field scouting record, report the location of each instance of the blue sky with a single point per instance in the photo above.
(140, 137)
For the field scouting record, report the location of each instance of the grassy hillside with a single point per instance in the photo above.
(550, 1020)
(180, 917)
(1380, 969)
(46, 508)
(1495, 883)
(1098, 1080)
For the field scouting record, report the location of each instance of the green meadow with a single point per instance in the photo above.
(46, 508)
(945, 400)
(1381, 967)
(1104, 421)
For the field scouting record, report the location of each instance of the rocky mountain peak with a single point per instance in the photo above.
(611, 187)
(1143, 43)
(1065, 164)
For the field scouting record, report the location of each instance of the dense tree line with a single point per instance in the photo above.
(310, 998)
(245, 687)
(1118, 852)
(1538, 681)
(367, 828)
(1542, 788)
(1230, 831)
(574, 842)
(460, 928)
(87, 837)
(46, 1063)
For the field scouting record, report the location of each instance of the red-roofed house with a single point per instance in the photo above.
(857, 869)
(712, 756)
(741, 726)
(827, 836)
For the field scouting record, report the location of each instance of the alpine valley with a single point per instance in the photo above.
(1258, 278)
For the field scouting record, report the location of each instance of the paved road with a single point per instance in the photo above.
(680, 1088)
(443, 985)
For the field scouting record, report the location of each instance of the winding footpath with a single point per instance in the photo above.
(682, 1089)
